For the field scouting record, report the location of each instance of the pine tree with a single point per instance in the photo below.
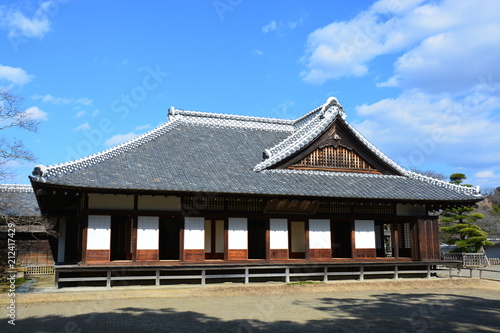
(462, 231)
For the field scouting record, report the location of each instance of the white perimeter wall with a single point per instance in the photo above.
(99, 232)
(319, 234)
(364, 234)
(147, 233)
(194, 233)
(278, 233)
(237, 233)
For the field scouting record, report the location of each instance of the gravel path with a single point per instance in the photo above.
(436, 305)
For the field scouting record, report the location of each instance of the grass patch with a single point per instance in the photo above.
(5, 286)
(299, 283)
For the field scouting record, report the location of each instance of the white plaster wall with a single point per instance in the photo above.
(237, 233)
(319, 234)
(194, 233)
(149, 202)
(364, 234)
(278, 233)
(111, 201)
(99, 232)
(208, 236)
(147, 233)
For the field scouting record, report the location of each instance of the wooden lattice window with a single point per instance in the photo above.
(334, 158)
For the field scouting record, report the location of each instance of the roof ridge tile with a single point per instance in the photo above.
(23, 188)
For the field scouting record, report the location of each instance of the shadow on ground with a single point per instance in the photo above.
(389, 312)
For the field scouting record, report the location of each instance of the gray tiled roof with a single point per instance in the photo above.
(200, 152)
(18, 200)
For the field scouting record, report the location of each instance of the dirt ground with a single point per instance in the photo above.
(406, 305)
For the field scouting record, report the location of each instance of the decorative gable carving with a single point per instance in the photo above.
(337, 149)
(335, 158)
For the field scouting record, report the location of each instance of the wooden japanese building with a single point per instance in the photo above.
(232, 191)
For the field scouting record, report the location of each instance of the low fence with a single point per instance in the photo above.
(468, 259)
(124, 276)
(39, 270)
(494, 261)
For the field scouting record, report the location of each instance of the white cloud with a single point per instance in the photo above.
(95, 113)
(486, 174)
(119, 138)
(442, 63)
(14, 75)
(62, 101)
(257, 52)
(80, 114)
(271, 26)
(36, 26)
(417, 128)
(36, 114)
(143, 127)
(282, 28)
(83, 127)
(432, 40)
(282, 110)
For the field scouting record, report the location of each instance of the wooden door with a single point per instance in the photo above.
(214, 239)
(297, 237)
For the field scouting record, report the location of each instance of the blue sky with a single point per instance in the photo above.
(420, 79)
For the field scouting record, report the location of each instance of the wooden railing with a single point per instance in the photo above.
(121, 276)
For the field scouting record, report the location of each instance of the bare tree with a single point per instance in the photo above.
(429, 173)
(13, 116)
(17, 202)
(18, 206)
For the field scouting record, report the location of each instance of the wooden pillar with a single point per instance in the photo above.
(395, 240)
(83, 222)
(353, 241)
(61, 242)
(134, 238)
(134, 228)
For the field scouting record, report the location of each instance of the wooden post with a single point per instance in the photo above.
(428, 271)
(56, 280)
(202, 277)
(325, 277)
(108, 279)
(157, 282)
(361, 273)
(396, 272)
(287, 275)
(395, 241)
(247, 277)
